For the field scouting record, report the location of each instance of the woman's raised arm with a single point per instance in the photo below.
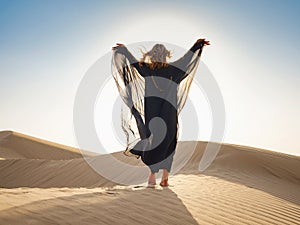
(122, 49)
(183, 63)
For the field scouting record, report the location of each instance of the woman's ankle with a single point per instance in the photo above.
(152, 178)
(165, 175)
(164, 178)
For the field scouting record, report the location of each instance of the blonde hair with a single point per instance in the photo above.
(157, 56)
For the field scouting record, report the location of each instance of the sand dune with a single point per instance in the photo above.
(14, 145)
(46, 183)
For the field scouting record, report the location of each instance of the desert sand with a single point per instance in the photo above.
(42, 182)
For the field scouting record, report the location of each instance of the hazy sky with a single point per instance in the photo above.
(46, 47)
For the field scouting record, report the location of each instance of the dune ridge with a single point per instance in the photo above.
(17, 145)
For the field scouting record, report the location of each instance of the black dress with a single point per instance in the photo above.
(160, 124)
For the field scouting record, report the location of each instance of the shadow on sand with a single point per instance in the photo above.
(114, 206)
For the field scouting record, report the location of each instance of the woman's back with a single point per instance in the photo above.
(155, 92)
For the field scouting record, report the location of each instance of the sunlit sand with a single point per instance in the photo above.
(46, 183)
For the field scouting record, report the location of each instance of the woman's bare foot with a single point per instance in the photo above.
(164, 183)
(152, 180)
(164, 179)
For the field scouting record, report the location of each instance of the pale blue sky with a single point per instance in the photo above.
(47, 46)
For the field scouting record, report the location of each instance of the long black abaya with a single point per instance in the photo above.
(154, 98)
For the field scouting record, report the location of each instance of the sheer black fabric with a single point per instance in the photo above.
(153, 99)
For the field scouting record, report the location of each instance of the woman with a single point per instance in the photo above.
(154, 91)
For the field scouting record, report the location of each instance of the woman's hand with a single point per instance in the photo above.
(203, 40)
(121, 48)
